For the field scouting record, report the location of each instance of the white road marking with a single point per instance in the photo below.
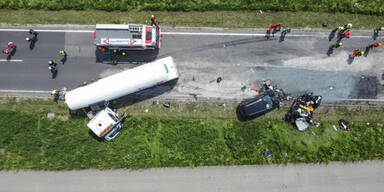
(22, 91)
(180, 33)
(11, 60)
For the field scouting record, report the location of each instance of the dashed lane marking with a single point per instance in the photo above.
(11, 60)
(22, 91)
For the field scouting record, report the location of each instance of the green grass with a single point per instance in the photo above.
(163, 138)
(344, 6)
(227, 19)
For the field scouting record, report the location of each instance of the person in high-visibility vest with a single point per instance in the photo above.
(357, 52)
(64, 54)
(337, 45)
(55, 94)
(274, 28)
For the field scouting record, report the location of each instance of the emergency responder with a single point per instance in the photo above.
(284, 33)
(337, 45)
(153, 20)
(33, 32)
(376, 31)
(52, 65)
(32, 40)
(346, 34)
(357, 52)
(116, 56)
(375, 44)
(348, 26)
(339, 28)
(56, 95)
(11, 45)
(64, 54)
(274, 28)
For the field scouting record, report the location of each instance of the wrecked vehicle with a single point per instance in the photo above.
(301, 112)
(269, 99)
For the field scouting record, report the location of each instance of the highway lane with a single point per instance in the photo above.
(298, 64)
(336, 176)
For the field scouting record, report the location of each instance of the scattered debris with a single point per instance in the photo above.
(335, 128)
(146, 110)
(193, 95)
(268, 153)
(325, 24)
(344, 124)
(330, 88)
(313, 133)
(219, 79)
(167, 104)
(243, 88)
(379, 124)
(193, 78)
(155, 102)
(285, 154)
(50, 115)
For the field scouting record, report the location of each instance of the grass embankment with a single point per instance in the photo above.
(31, 141)
(345, 6)
(227, 19)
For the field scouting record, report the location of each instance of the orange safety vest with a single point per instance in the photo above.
(272, 26)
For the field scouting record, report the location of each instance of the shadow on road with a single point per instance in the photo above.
(375, 35)
(366, 52)
(131, 98)
(331, 35)
(143, 95)
(131, 56)
(350, 59)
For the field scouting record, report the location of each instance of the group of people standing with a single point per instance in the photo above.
(344, 32)
(32, 39)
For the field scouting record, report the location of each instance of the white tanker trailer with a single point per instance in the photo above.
(106, 123)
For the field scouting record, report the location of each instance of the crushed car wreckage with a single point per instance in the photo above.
(301, 112)
(269, 98)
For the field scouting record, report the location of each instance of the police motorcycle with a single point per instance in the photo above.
(301, 111)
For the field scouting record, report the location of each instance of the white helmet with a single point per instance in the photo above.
(50, 62)
(27, 39)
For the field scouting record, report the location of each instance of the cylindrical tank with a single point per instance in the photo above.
(123, 83)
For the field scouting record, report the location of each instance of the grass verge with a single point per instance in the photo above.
(226, 19)
(29, 140)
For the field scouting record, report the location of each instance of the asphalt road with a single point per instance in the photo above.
(297, 64)
(340, 177)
